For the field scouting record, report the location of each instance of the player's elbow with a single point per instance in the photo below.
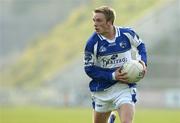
(88, 71)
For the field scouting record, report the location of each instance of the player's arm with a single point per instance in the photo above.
(142, 52)
(91, 69)
(98, 73)
(94, 71)
(138, 43)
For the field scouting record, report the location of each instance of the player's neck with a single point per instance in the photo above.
(111, 33)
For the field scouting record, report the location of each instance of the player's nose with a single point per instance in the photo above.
(95, 25)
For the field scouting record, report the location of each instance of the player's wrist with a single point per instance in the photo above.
(114, 76)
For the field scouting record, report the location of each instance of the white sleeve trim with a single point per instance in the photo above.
(113, 76)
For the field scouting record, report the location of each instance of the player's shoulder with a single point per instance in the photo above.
(92, 39)
(129, 30)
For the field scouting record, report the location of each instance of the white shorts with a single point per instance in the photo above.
(113, 97)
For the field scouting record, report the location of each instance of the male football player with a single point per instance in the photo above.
(107, 49)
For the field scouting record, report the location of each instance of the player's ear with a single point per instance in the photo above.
(109, 22)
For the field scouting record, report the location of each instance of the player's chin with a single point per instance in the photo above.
(124, 81)
(97, 31)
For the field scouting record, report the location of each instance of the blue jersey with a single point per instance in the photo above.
(104, 56)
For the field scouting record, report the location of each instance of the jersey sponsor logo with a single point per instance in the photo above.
(113, 60)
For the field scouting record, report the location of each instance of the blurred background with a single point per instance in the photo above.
(42, 43)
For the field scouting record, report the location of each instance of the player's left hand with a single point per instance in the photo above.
(144, 67)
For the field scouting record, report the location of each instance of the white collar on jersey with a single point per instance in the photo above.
(113, 40)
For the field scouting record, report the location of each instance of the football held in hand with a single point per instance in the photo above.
(134, 70)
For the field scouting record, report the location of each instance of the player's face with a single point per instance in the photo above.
(101, 25)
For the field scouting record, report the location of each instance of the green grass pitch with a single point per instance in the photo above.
(33, 114)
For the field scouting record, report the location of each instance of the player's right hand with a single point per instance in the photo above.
(120, 76)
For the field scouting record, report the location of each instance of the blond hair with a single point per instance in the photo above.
(107, 11)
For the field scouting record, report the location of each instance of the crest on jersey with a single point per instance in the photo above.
(102, 49)
(122, 44)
